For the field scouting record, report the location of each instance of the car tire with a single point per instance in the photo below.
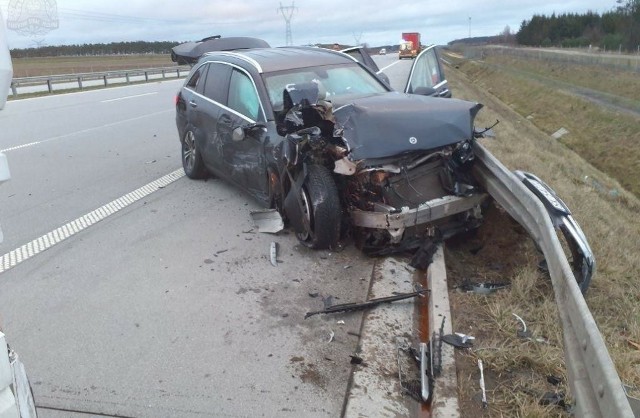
(191, 159)
(321, 205)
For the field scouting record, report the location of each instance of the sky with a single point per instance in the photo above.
(373, 22)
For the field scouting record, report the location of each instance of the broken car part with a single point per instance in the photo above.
(190, 52)
(273, 254)
(522, 333)
(350, 307)
(459, 340)
(482, 387)
(269, 221)
(583, 260)
(482, 288)
(425, 384)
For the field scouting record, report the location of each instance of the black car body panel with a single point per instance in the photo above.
(392, 124)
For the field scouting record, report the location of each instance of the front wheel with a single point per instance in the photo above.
(191, 159)
(321, 209)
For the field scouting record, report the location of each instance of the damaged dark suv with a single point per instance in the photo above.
(324, 140)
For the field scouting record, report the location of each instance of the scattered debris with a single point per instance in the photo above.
(634, 344)
(355, 334)
(355, 359)
(269, 221)
(411, 387)
(273, 254)
(485, 404)
(423, 258)
(346, 267)
(482, 288)
(523, 333)
(350, 307)
(331, 336)
(554, 398)
(313, 294)
(340, 322)
(459, 340)
(559, 133)
(345, 167)
(221, 251)
(554, 380)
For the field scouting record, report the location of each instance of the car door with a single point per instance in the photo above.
(361, 55)
(215, 95)
(244, 160)
(426, 76)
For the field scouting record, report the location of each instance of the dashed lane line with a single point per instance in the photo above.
(38, 245)
(84, 131)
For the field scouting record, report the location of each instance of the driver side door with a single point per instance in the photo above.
(244, 160)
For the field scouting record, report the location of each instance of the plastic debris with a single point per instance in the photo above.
(269, 221)
(459, 340)
(485, 404)
(273, 254)
(331, 336)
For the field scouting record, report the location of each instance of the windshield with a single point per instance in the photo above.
(337, 81)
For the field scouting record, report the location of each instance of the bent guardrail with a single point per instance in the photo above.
(593, 379)
(51, 83)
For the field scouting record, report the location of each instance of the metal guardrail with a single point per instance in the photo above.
(25, 85)
(593, 379)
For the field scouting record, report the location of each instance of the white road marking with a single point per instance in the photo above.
(128, 97)
(108, 125)
(394, 63)
(38, 245)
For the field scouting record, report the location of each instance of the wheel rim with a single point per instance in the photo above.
(189, 151)
(306, 212)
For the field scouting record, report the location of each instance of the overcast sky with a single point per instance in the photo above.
(312, 21)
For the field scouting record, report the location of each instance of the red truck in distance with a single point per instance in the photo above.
(410, 45)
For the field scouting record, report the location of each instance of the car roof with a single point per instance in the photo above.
(267, 60)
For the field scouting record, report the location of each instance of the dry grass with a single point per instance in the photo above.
(606, 139)
(31, 67)
(517, 368)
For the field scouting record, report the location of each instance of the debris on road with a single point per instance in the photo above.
(352, 306)
(523, 333)
(356, 359)
(331, 336)
(486, 288)
(273, 254)
(268, 221)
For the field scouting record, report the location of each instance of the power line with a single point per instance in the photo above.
(287, 13)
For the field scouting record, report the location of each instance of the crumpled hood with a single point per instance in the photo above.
(392, 123)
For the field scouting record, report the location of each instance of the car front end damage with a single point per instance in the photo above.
(401, 164)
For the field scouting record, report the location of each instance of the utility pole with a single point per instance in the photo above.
(287, 13)
(357, 38)
(469, 27)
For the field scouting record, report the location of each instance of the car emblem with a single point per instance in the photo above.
(413, 140)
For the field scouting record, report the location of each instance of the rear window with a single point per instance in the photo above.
(335, 80)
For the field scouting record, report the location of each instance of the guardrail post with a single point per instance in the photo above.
(49, 86)
(146, 76)
(14, 89)
(162, 73)
(127, 76)
(104, 77)
(178, 73)
(80, 82)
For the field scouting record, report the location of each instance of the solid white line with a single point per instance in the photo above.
(108, 125)
(48, 240)
(128, 97)
(394, 63)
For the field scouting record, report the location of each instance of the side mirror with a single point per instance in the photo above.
(241, 132)
(238, 134)
(425, 91)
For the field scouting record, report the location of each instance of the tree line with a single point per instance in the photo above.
(113, 48)
(612, 30)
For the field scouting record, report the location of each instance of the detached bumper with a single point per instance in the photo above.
(429, 211)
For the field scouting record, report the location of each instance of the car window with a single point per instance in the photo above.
(215, 87)
(194, 82)
(334, 80)
(426, 72)
(243, 97)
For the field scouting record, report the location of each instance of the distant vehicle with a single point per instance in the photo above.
(410, 46)
(383, 52)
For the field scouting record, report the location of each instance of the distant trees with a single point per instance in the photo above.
(617, 28)
(114, 48)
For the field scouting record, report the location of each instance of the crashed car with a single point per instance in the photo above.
(324, 140)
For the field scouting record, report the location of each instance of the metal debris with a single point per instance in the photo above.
(459, 340)
(483, 288)
(523, 333)
(269, 221)
(485, 404)
(352, 306)
(331, 336)
(273, 254)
